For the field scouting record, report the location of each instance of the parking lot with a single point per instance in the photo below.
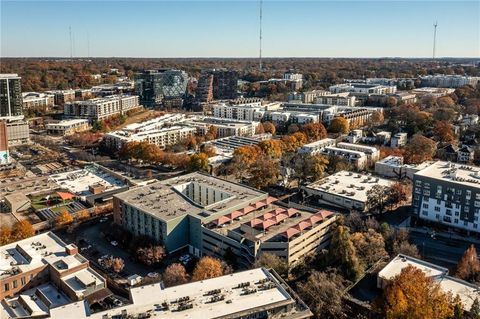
(94, 245)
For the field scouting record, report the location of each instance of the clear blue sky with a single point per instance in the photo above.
(230, 28)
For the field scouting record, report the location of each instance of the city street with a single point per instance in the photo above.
(440, 250)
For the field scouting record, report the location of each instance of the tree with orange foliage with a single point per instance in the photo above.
(63, 219)
(243, 158)
(199, 162)
(388, 151)
(300, 137)
(468, 267)
(175, 274)
(212, 133)
(444, 132)
(118, 264)
(259, 129)
(339, 125)
(377, 118)
(207, 267)
(6, 235)
(271, 148)
(268, 127)
(23, 229)
(413, 295)
(83, 214)
(419, 149)
(314, 131)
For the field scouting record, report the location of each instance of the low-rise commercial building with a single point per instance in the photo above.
(42, 272)
(345, 189)
(67, 127)
(393, 166)
(92, 184)
(211, 216)
(448, 194)
(100, 108)
(254, 293)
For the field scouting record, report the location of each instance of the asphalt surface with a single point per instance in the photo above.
(92, 233)
(440, 250)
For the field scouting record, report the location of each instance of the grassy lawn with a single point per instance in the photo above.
(39, 202)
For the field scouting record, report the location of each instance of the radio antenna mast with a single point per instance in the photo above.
(434, 38)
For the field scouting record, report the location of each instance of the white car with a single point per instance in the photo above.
(114, 243)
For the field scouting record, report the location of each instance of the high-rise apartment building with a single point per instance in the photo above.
(155, 86)
(224, 83)
(204, 92)
(4, 156)
(10, 95)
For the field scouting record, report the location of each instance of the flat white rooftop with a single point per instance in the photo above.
(452, 173)
(232, 299)
(77, 182)
(67, 123)
(348, 184)
(29, 254)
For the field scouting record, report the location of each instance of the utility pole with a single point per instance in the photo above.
(434, 38)
(260, 61)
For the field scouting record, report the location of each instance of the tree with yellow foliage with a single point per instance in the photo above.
(23, 229)
(339, 125)
(63, 219)
(271, 148)
(413, 295)
(6, 235)
(207, 267)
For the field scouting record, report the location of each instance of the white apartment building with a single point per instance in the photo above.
(399, 140)
(34, 99)
(225, 127)
(448, 194)
(363, 88)
(356, 158)
(449, 81)
(67, 127)
(244, 112)
(373, 154)
(100, 108)
(342, 99)
(317, 146)
(160, 137)
(345, 189)
(156, 123)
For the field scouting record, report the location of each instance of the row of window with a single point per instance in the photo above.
(6, 286)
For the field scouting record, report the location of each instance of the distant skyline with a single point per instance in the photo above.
(230, 28)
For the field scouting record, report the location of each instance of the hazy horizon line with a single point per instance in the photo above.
(240, 57)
